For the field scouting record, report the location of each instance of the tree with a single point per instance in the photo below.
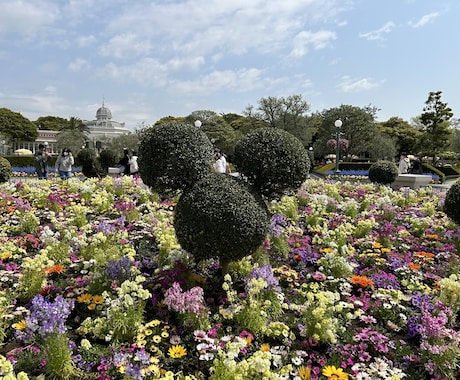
(53, 123)
(71, 139)
(435, 119)
(358, 128)
(16, 127)
(407, 136)
(284, 113)
(75, 124)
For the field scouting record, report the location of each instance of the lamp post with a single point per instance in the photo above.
(338, 125)
(198, 123)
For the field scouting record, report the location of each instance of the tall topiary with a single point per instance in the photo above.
(173, 156)
(383, 172)
(5, 170)
(90, 165)
(272, 160)
(452, 202)
(220, 217)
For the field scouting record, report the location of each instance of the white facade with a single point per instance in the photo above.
(104, 128)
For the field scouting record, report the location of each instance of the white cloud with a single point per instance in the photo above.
(26, 18)
(379, 33)
(347, 84)
(126, 45)
(318, 40)
(79, 64)
(426, 19)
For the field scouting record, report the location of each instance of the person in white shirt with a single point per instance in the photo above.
(220, 165)
(64, 164)
(404, 164)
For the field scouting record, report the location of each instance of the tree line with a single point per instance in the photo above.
(433, 133)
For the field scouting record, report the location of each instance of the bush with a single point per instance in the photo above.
(272, 160)
(90, 165)
(220, 217)
(452, 202)
(107, 158)
(383, 172)
(5, 170)
(174, 156)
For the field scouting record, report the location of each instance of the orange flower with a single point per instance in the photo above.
(376, 245)
(362, 281)
(98, 300)
(414, 266)
(304, 372)
(55, 269)
(428, 255)
(432, 236)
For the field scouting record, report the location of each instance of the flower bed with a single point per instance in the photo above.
(354, 281)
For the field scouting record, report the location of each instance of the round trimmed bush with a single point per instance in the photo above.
(452, 202)
(220, 217)
(383, 172)
(5, 170)
(173, 156)
(272, 160)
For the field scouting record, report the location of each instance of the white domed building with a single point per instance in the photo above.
(104, 128)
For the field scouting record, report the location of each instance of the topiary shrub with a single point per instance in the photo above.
(90, 165)
(272, 160)
(107, 158)
(383, 172)
(452, 202)
(5, 170)
(173, 156)
(220, 217)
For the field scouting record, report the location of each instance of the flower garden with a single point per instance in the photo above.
(354, 281)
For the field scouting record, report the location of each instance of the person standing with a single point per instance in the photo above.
(124, 162)
(41, 157)
(404, 164)
(417, 167)
(133, 165)
(64, 164)
(220, 165)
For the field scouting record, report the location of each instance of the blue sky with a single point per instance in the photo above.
(150, 59)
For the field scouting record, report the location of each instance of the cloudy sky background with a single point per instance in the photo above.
(150, 59)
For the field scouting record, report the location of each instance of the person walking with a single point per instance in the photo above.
(41, 157)
(64, 163)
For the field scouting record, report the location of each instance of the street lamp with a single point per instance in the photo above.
(338, 125)
(198, 123)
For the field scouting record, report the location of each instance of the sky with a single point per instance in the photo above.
(150, 59)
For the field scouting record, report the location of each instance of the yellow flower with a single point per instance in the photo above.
(265, 347)
(5, 255)
(84, 298)
(148, 332)
(20, 325)
(164, 334)
(334, 373)
(98, 300)
(304, 372)
(177, 351)
(156, 339)
(91, 306)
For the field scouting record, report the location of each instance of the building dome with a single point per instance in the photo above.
(103, 113)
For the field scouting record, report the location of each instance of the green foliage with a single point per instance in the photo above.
(5, 170)
(16, 127)
(220, 217)
(90, 165)
(272, 160)
(436, 122)
(452, 202)
(383, 172)
(53, 123)
(108, 158)
(173, 156)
